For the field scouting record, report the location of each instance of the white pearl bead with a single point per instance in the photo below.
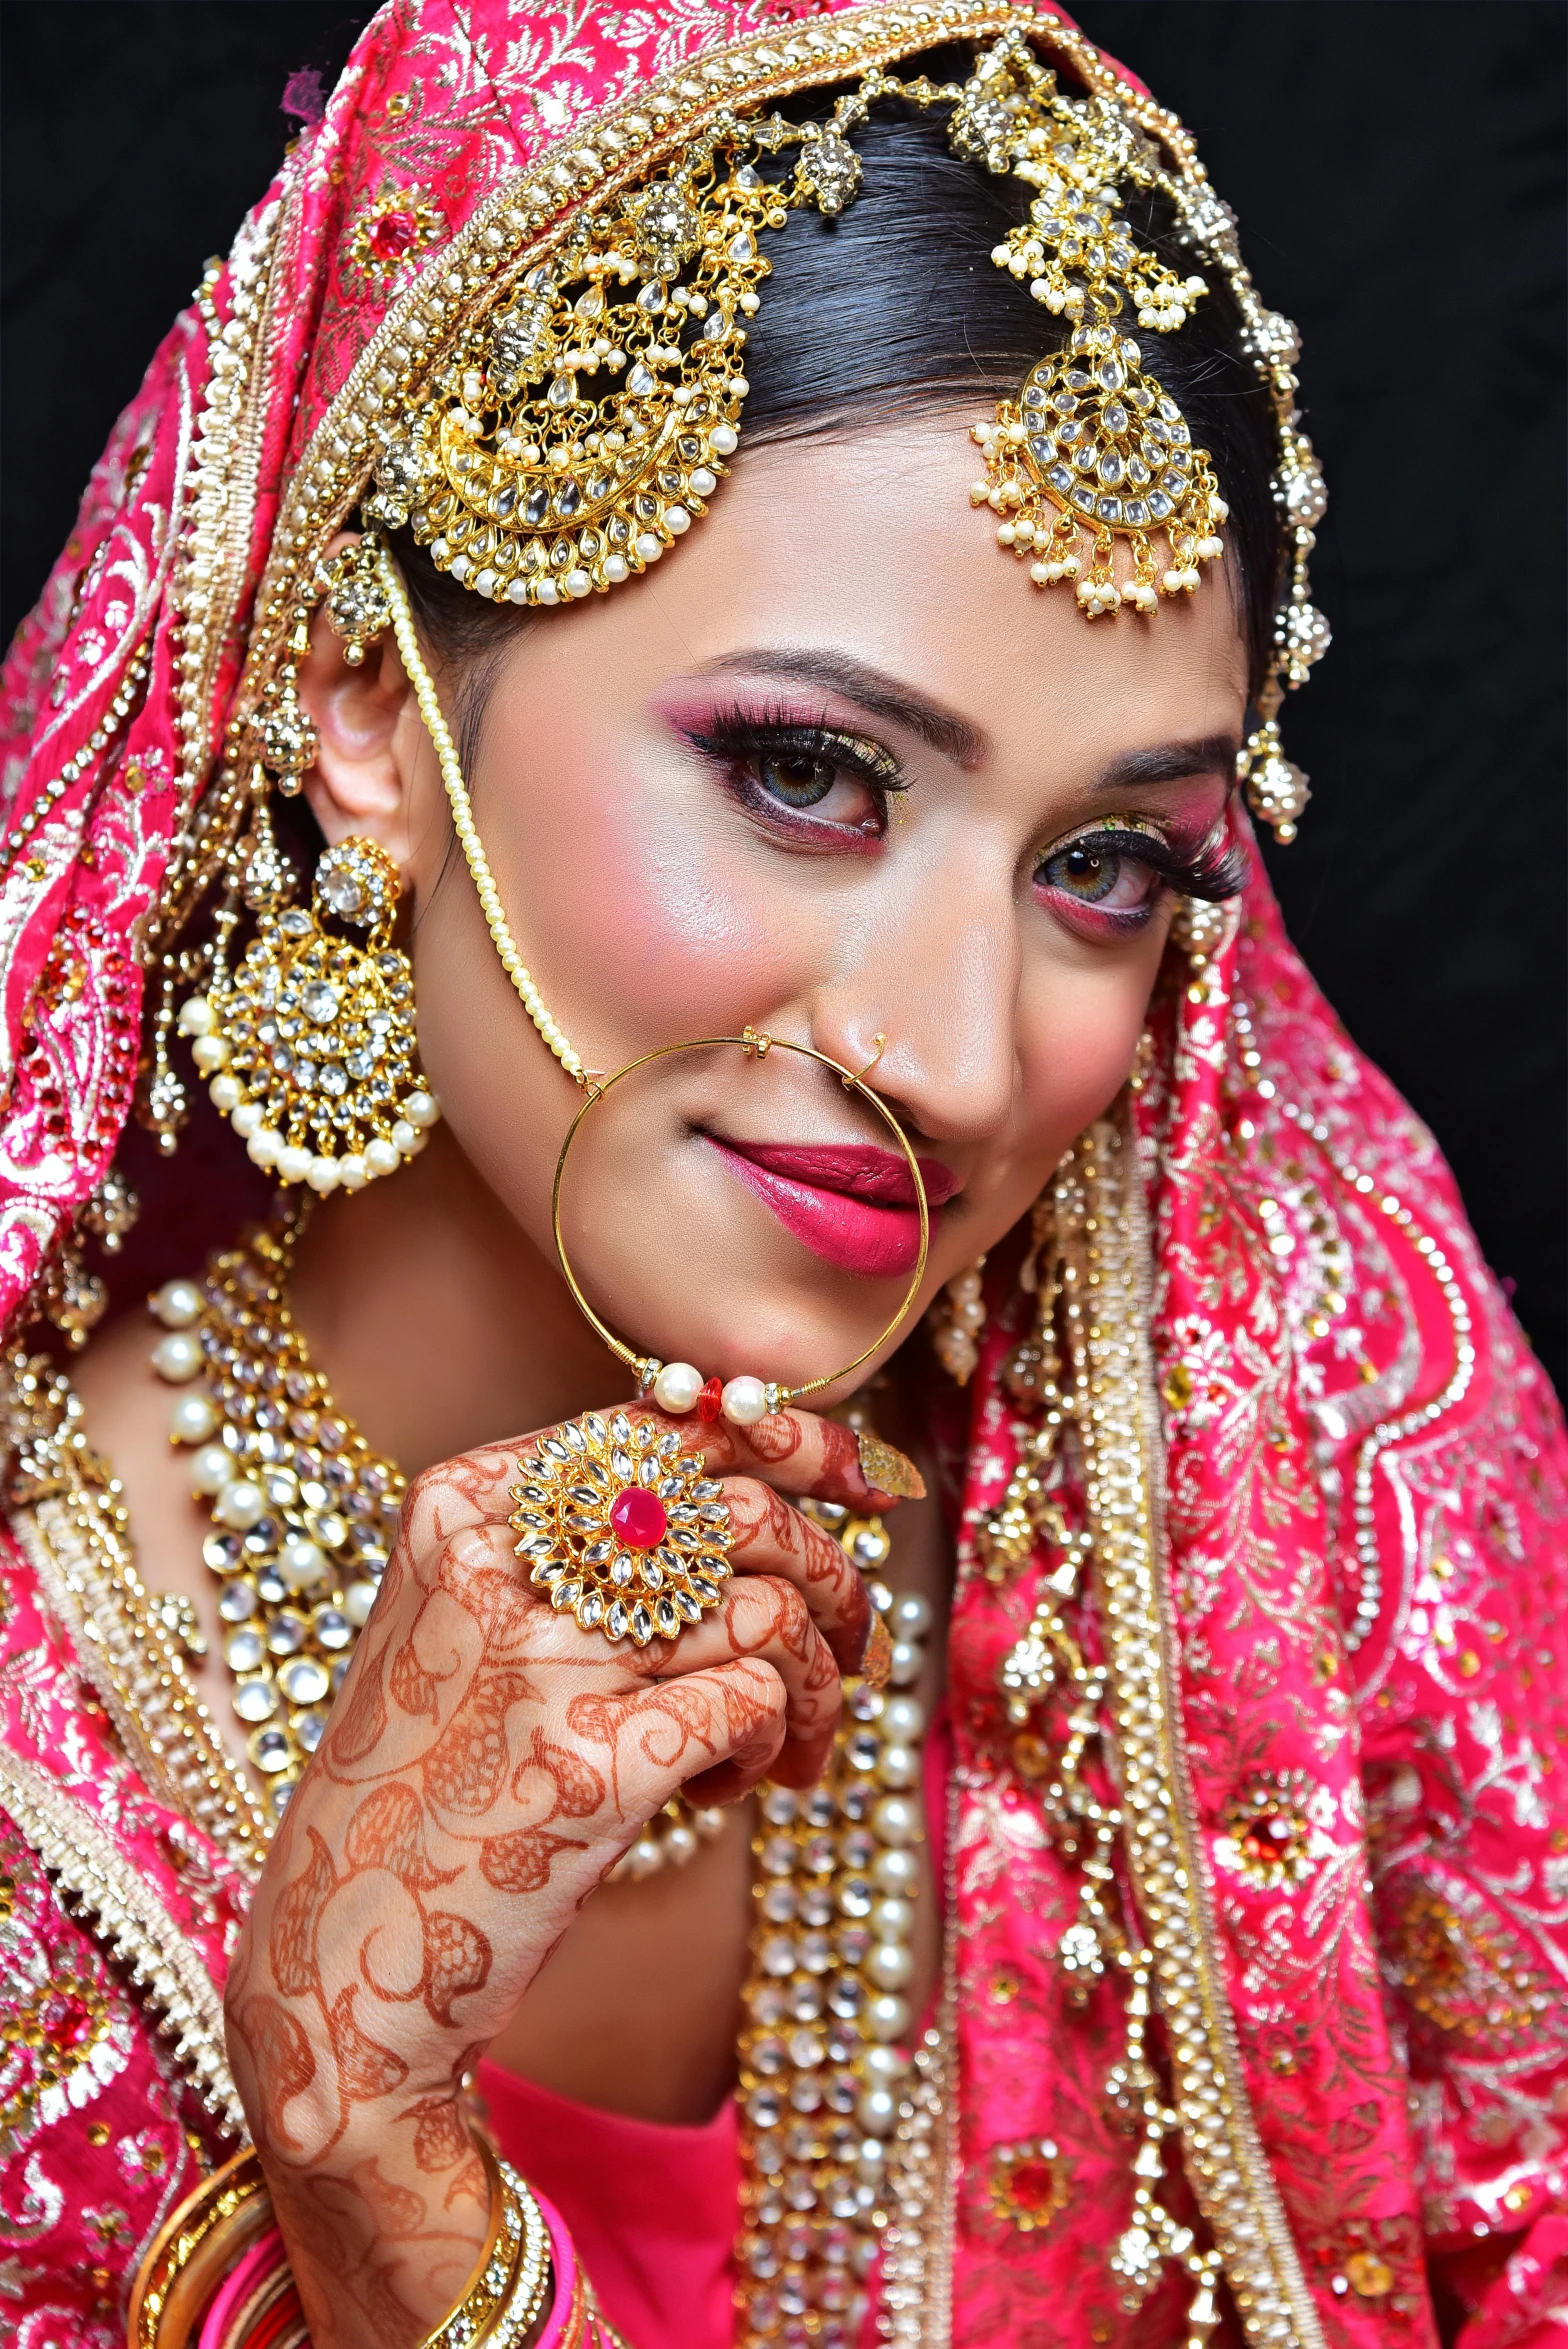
(899, 1766)
(382, 1158)
(358, 1600)
(877, 2111)
(911, 1615)
(745, 1401)
(548, 592)
(212, 1468)
(209, 1053)
(240, 1505)
(192, 1420)
(903, 1719)
(644, 1857)
(885, 2063)
(893, 1919)
(225, 1095)
(177, 1357)
(724, 440)
(896, 1819)
(197, 1017)
(616, 568)
(422, 1110)
(264, 1147)
(353, 1173)
(246, 1120)
(703, 483)
(407, 1140)
(677, 519)
(323, 1175)
(897, 1872)
(649, 547)
(177, 1304)
(905, 1663)
(301, 1563)
(680, 1845)
(677, 1387)
(889, 1965)
(293, 1162)
(886, 2017)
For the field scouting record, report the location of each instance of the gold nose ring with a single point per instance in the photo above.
(860, 1076)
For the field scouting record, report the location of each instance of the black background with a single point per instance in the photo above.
(1397, 167)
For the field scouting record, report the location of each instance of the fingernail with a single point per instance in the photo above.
(887, 1470)
(877, 1662)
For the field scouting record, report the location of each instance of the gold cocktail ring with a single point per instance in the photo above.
(615, 1520)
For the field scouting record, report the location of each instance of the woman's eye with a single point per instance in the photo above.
(796, 779)
(1101, 873)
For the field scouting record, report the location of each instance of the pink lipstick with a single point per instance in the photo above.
(853, 1205)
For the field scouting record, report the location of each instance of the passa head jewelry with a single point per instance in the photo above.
(309, 1044)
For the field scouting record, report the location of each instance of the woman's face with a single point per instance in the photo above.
(834, 769)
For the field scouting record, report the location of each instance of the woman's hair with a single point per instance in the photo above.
(895, 308)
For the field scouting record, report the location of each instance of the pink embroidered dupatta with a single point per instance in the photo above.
(1340, 1528)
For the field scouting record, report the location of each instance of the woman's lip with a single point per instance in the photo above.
(856, 1234)
(860, 1170)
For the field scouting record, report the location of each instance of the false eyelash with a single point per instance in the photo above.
(1215, 871)
(736, 734)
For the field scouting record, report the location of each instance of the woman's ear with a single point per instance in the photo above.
(362, 780)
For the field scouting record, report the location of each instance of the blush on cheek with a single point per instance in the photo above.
(655, 937)
(1081, 1052)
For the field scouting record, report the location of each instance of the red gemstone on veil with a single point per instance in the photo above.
(637, 1518)
(392, 237)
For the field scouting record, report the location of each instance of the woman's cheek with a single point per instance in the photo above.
(1079, 1041)
(652, 929)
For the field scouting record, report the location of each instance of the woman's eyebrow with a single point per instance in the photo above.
(1168, 762)
(872, 690)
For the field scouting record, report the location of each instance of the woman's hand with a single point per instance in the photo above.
(486, 1765)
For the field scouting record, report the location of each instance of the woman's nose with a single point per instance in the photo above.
(941, 985)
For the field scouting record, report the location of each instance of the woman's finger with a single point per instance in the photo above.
(769, 1536)
(799, 1452)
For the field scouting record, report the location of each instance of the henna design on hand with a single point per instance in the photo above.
(486, 1765)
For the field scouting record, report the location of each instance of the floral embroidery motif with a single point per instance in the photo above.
(1461, 1969)
(392, 230)
(1028, 2184)
(1271, 1839)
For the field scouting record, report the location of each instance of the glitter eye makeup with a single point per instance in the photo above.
(804, 778)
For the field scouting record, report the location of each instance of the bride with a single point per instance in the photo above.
(840, 1618)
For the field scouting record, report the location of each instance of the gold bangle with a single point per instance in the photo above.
(194, 2250)
(508, 2287)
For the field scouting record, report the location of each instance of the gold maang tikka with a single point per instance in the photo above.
(1093, 447)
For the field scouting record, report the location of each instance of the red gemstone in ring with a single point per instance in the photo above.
(637, 1518)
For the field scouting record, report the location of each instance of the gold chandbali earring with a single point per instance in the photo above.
(615, 1520)
(309, 1044)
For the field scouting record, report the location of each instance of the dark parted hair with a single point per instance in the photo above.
(895, 308)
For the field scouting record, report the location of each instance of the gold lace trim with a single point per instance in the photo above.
(1227, 2167)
